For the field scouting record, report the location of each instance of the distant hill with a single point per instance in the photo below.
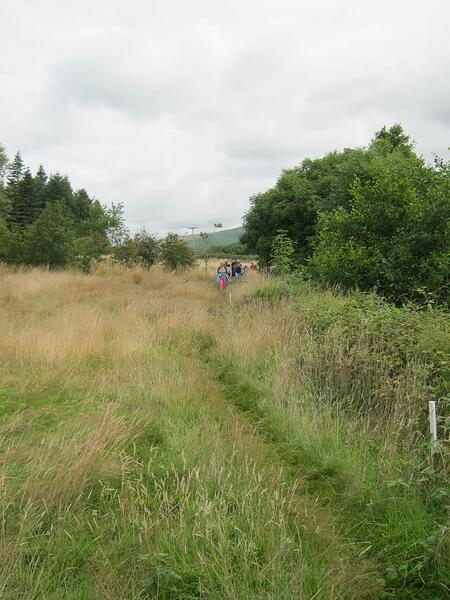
(218, 238)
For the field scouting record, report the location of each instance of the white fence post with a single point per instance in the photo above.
(433, 426)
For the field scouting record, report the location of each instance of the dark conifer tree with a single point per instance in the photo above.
(40, 183)
(24, 211)
(58, 189)
(15, 172)
(81, 206)
(14, 176)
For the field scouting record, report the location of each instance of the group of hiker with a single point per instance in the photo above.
(227, 272)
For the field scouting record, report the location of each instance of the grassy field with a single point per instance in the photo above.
(158, 442)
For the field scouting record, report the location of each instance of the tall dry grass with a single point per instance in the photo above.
(123, 472)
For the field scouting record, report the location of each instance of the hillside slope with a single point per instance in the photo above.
(217, 238)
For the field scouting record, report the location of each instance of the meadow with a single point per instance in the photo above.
(157, 441)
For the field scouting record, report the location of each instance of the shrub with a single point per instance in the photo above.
(394, 236)
(176, 254)
(282, 253)
(142, 249)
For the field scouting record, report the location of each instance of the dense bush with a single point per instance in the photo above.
(141, 249)
(230, 250)
(372, 218)
(176, 254)
(393, 236)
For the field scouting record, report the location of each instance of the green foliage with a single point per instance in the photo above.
(147, 248)
(282, 253)
(49, 241)
(29, 203)
(373, 218)
(126, 252)
(24, 210)
(235, 250)
(142, 249)
(395, 234)
(5, 206)
(288, 206)
(15, 171)
(40, 181)
(176, 254)
(58, 189)
(4, 241)
(394, 138)
(296, 200)
(116, 230)
(88, 249)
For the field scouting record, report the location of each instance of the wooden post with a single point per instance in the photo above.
(433, 426)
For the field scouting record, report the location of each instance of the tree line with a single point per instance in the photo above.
(374, 218)
(45, 222)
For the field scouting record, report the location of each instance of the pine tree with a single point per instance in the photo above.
(40, 184)
(58, 189)
(24, 211)
(15, 171)
(81, 205)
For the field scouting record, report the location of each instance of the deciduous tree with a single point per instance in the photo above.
(176, 254)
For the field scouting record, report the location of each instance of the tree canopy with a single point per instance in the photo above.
(372, 218)
(43, 221)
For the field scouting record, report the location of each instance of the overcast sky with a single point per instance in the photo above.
(181, 109)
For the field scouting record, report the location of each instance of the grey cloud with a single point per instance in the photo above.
(257, 148)
(128, 75)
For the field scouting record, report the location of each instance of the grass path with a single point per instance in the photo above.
(329, 560)
(343, 572)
